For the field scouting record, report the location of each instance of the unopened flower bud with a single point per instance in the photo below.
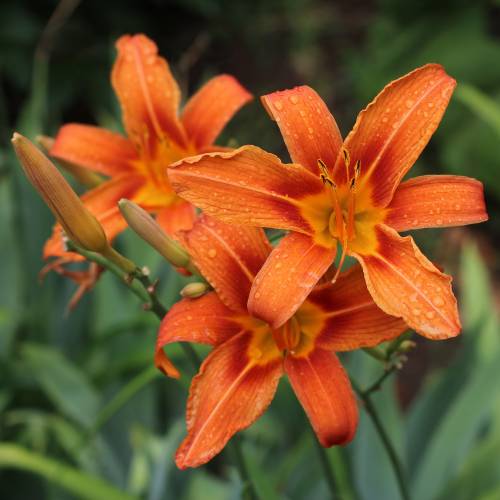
(78, 223)
(407, 346)
(81, 174)
(195, 290)
(151, 232)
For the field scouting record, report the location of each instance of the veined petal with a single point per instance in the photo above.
(343, 316)
(94, 148)
(205, 320)
(404, 283)
(307, 126)
(102, 202)
(392, 131)
(289, 274)
(324, 390)
(229, 257)
(231, 391)
(208, 111)
(436, 201)
(179, 216)
(248, 187)
(147, 91)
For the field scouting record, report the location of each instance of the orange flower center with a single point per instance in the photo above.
(152, 165)
(342, 219)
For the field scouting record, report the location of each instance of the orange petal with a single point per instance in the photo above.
(205, 320)
(344, 317)
(289, 274)
(436, 201)
(392, 131)
(94, 148)
(229, 257)
(208, 111)
(176, 217)
(102, 201)
(404, 283)
(324, 390)
(147, 91)
(248, 187)
(231, 391)
(307, 126)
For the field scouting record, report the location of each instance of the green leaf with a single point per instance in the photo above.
(80, 484)
(480, 104)
(65, 385)
(454, 429)
(480, 472)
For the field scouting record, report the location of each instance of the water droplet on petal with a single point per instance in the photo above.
(212, 253)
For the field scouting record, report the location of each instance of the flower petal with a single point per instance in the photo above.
(178, 216)
(343, 316)
(324, 390)
(94, 148)
(229, 257)
(248, 186)
(289, 274)
(436, 201)
(147, 91)
(205, 320)
(230, 392)
(308, 128)
(208, 111)
(392, 131)
(404, 283)
(102, 201)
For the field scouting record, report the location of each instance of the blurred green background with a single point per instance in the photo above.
(83, 412)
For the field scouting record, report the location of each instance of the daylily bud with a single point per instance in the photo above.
(195, 290)
(81, 174)
(151, 232)
(78, 223)
(407, 346)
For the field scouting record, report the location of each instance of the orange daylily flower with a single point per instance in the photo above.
(346, 192)
(238, 379)
(157, 136)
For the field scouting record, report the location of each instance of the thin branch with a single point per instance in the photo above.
(384, 437)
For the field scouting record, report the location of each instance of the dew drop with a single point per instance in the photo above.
(416, 312)
(430, 314)
(294, 99)
(438, 301)
(212, 253)
(409, 103)
(278, 105)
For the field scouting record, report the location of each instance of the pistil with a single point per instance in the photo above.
(342, 220)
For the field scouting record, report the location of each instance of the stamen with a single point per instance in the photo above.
(325, 177)
(347, 162)
(341, 262)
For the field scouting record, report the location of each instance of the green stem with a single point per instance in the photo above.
(327, 468)
(133, 285)
(384, 437)
(249, 492)
(378, 383)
